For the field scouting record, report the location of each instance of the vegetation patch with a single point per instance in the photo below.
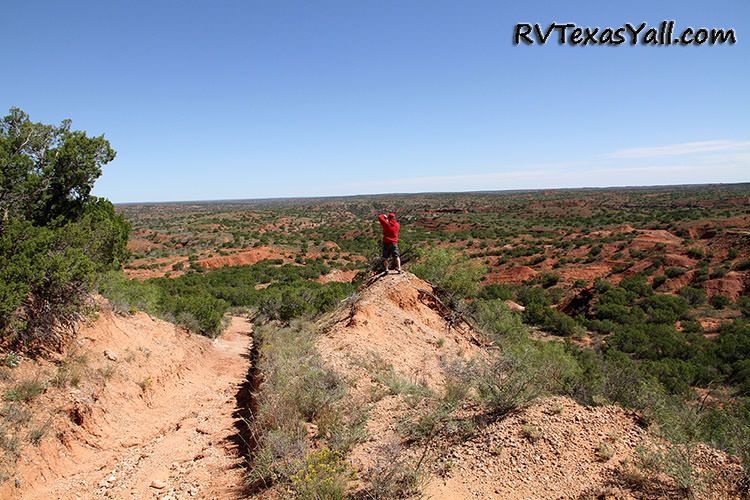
(302, 423)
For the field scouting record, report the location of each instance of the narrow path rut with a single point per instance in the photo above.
(183, 444)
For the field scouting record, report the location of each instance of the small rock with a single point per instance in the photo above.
(311, 430)
(110, 355)
(158, 484)
(111, 478)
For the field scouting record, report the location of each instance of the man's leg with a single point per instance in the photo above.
(398, 263)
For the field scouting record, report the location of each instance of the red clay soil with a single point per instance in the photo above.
(161, 424)
(710, 325)
(394, 320)
(246, 257)
(514, 275)
(675, 284)
(166, 267)
(141, 245)
(732, 285)
(338, 275)
(650, 237)
(672, 259)
(586, 272)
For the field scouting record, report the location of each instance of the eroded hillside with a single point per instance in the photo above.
(449, 414)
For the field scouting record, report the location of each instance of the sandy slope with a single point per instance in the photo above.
(163, 426)
(550, 449)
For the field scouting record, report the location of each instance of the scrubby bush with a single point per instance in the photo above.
(637, 284)
(522, 371)
(449, 272)
(743, 304)
(548, 279)
(718, 272)
(664, 308)
(674, 271)
(658, 280)
(496, 291)
(694, 296)
(296, 389)
(128, 296)
(696, 253)
(496, 320)
(719, 301)
(552, 320)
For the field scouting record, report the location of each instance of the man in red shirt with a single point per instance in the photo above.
(390, 239)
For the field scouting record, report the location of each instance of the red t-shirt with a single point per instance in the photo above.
(390, 229)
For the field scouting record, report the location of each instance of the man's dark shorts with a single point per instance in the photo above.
(390, 250)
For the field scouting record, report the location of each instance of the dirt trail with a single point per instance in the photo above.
(180, 441)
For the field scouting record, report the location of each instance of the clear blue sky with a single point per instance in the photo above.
(248, 99)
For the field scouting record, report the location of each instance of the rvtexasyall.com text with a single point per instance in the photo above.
(632, 34)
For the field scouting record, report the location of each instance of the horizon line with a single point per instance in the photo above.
(413, 193)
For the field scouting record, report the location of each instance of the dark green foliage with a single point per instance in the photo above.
(304, 299)
(742, 265)
(496, 291)
(637, 284)
(548, 279)
(664, 308)
(533, 295)
(719, 301)
(54, 236)
(695, 253)
(694, 296)
(733, 352)
(495, 319)
(198, 301)
(552, 320)
(718, 272)
(658, 280)
(47, 172)
(674, 272)
(451, 273)
(743, 304)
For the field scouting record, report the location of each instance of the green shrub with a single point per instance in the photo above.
(522, 371)
(694, 296)
(126, 295)
(552, 320)
(637, 284)
(674, 272)
(664, 308)
(25, 390)
(743, 304)
(449, 272)
(548, 279)
(496, 291)
(496, 320)
(719, 301)
(658, 280)
(718, 272)
(695, 253)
